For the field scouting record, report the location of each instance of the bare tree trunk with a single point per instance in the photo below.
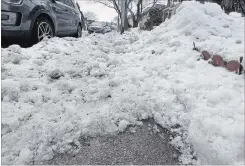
(134, 20)
(242, 6)
(168, 4)
(227, 5)
(118, 22)
(124, 5)
(141, 7)
(122, 8)
(139, 10)
(126, 24)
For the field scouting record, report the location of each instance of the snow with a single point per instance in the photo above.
(110, 81)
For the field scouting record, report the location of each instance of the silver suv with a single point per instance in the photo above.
(36, 19)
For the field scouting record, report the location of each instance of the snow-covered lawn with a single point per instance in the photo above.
(109, 81)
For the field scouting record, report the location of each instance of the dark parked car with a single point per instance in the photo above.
(98, 27)
(36, 19)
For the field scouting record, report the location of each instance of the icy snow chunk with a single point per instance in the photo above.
(101, 60)
(113, 61)
(102, 66)
(105, 93)
(213, 9)
(15, 48)
(5, 128)
(119, 49)
(175, 43)
(56, 74)
(100, 125)
(10, 90)
(133, 39)
(99, 54)
(122, 125)
(55, 50)
(114, 82)
(25, 155)
(24, 85)
(105, 49)
(65, 86)
(201, 34)
(38, 62)
(235, 14)
(11, 57)
(16, 58)
(238, 41)
(119, 42)
(97, 72)
(157, 117)
(32, 97)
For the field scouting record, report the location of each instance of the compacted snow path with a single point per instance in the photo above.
(61, 89)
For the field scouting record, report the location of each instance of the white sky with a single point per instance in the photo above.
(104, 13)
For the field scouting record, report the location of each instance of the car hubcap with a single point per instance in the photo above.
(44, 30)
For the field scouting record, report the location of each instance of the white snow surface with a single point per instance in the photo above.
(113, 80)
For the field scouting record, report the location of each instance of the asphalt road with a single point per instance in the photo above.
(141, 145)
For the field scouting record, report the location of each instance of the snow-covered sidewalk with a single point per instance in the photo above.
(109, 81)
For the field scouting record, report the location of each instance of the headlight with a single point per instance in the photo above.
(17, 2)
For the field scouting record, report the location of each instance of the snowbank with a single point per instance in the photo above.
(212, 97)
(110, 81)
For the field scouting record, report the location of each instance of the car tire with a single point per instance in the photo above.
(42, 28)
(79, 31)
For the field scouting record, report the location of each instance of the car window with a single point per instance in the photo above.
(96, 24)
(77, 6)
(68, 3)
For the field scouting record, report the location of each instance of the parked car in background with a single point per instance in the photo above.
(98, 27)
(36, 19)
(89, 22)
(107, 29)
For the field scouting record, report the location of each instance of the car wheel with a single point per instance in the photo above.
(79, 31)
(42, 28)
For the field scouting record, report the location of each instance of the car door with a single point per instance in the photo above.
(63, 15)
(73, 15)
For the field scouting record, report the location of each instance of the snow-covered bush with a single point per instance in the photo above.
(153, 16)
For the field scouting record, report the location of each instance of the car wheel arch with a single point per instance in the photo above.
(80, 24)
(46, 15)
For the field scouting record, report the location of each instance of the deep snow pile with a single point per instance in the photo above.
(62, 89)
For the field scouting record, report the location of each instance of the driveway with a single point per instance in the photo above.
(141, 145)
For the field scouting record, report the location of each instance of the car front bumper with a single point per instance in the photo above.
(95, 30)
(16, 19)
